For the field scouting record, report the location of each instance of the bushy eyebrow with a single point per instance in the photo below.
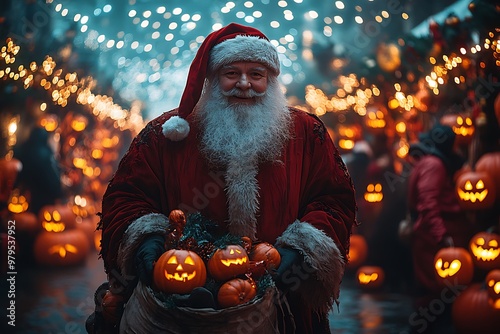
(232, 67)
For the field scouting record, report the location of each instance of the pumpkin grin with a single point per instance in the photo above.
(485, 254)
(182, 277)
(237, 261)
(365, 279)
(472, 196)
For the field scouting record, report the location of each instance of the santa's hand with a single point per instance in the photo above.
(149, 251)
(291, 261)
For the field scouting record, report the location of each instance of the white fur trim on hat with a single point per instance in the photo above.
(244, 48)
(175, 128)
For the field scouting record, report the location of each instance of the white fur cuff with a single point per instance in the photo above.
(153, 223)
(175, 128)
(321, 289)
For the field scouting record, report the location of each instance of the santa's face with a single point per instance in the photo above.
(242, 82)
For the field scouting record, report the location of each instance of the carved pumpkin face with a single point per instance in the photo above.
(18, 204)
(57, 218)
(370, 276)
(179, 271)
(228, 262)
(485, 250)
(375, 119)
(463, 127)
(347, 136)
(493, 286)
(475, 190)
(454, 265)
(61, 249)
(374, 193)
(358, 250)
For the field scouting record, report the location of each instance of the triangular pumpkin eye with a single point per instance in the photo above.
(189, 260)
(480, 184)
(480, 241)
(468, 185)
(172, 260)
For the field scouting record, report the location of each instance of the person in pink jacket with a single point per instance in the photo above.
(438, 219)
(234, 152)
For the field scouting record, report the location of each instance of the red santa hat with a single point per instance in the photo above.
(230, 44)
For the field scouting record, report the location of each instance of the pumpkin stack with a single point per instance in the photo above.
(231, 264)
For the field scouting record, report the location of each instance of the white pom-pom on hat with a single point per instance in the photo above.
(175, 128)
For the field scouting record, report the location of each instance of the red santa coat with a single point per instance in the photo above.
(306, 201)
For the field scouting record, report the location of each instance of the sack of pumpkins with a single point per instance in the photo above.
(236, 270)
(233, 268)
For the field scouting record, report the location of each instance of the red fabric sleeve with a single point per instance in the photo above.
(328, 192)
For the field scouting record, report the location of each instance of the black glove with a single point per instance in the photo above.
(149, 251)
(284, 276)
(200, 297)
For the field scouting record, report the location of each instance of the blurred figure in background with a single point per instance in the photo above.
(40, 175)
(438, 218)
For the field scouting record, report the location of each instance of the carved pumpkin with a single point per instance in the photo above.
(453, 265)
(236, 292)
(375, 120)
(471, 312)
(493, 287)
(112, 307)
(374, 193)
(61, 249)
(358, 251)
(57, 218)
(18, 203)
(263, 253)
(179, 271)
(177, 219)
(370, 277)
(485, 250)
(463, 126)
(228, 262)
(490, 164)
(475, 190)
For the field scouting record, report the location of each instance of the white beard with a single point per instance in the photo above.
(245, 132)
(238, 137)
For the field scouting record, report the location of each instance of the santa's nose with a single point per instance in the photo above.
(243, 82)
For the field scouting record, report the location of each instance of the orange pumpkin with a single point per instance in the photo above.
(266, 254)
(179, 271)
(57, 218)
(112, 307)
(490, 164)
(177, 218)
(61, 249)
(453, 265)
(485, 250)
(493, 287)
(228, 262)
(370, 277)
(471, 312)
(236, 292)
(358, 251)
(475, 190)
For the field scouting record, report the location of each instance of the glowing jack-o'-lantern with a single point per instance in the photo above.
(370, 277)
(228, 262)
(57, 218)
(463, 126)
(493, 286)
(485, 250)
(61, 249)
(475, 190)
(179, 271)
(375, 119)
(358, 251)
(18, 203)
(374, 193)
(347, 136)
(453, 265)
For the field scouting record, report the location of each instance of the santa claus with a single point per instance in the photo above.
(235, 153)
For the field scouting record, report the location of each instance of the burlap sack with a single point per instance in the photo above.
(145, 314)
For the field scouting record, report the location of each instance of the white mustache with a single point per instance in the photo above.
(249, 93)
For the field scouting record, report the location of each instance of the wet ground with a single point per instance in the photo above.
(58, 300)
